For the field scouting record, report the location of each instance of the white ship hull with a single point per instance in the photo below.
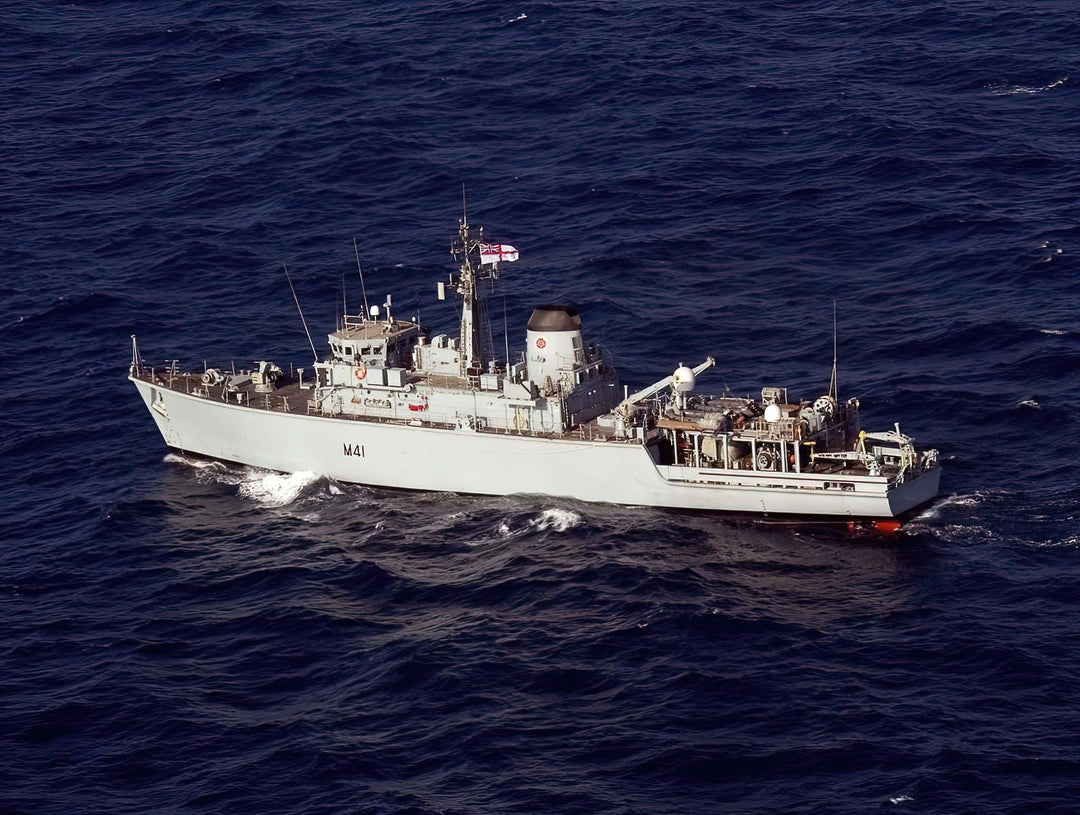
(405, 456)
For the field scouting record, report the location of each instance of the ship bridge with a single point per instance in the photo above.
(375, 343)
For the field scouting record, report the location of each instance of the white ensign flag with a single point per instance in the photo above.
(495, 252)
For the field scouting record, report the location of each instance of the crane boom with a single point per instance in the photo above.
(656, 387)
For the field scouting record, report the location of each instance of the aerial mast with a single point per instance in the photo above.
(473, 305)
(363, 288)
(834, 385)
(479, 262)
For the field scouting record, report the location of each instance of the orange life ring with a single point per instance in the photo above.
(361, 372)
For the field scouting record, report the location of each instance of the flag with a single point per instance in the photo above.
(494, 252)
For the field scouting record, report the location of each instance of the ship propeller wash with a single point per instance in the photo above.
(392, 405)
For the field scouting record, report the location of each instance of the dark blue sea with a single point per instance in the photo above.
(697, 178)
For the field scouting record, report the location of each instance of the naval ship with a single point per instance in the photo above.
(393, 405)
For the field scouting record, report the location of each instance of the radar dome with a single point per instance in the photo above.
(682, 381)
(773, 413)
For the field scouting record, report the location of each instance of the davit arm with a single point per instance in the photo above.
(656, 387)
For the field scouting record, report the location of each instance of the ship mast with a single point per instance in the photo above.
(475, 340)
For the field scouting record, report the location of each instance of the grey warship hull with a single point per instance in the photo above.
(392, 405)
(420, 457)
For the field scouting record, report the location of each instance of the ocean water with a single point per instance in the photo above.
(698, 178)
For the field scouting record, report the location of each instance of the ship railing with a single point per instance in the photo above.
(781, 429)
(395, 414)
(191, 383)
(168, 376)
(173, 378)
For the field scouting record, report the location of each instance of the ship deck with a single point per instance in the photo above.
(296, 398)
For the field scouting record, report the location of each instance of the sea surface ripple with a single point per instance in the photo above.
(698, 178)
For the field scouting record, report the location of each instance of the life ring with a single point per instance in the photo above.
(360, 372)
(541, 343)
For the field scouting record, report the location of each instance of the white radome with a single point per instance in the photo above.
(682, 381)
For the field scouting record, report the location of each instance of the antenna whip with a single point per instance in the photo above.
(296, 300)
(363, 288)
(834, 385)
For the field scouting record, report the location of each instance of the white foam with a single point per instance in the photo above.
(900, 799)
(197, 463)
(1057, 332)
(972, 500)
(262, 486)
(1068, 542)
(558, 519)
(275, 489)
(1029, 403)
(1013, 90)
(953, 533)
(555, 519)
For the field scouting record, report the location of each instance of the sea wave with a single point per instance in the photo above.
(1008, 89)
(699, 180)
(261, 486)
